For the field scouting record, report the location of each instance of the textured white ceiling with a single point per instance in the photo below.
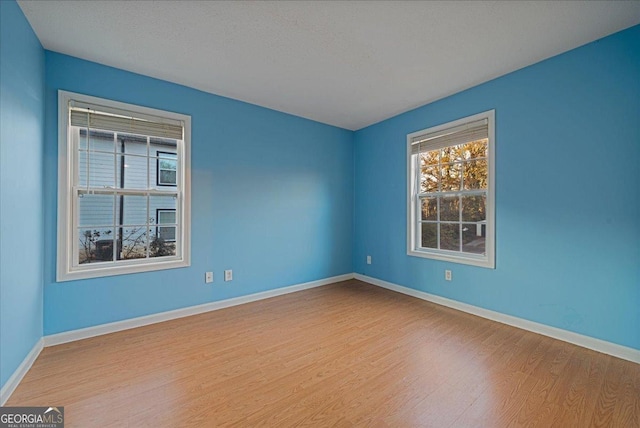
(348, 64)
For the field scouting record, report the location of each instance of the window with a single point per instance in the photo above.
(166, 168)
(123, 170)
(166, 233)
(450, 208)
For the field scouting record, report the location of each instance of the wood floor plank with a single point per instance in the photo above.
(627, 409)
(574, 392)
(536, 407)
(348, 354)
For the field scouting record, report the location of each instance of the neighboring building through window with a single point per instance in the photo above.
(112, 197)
(450, 198)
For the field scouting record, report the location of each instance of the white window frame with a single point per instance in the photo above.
(413, 205)
(67, 268)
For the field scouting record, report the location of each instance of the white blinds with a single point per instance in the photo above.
(109, 119)
(461, 134)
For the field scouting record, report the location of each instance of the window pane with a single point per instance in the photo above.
(135, 172)
(429, 235)
(450, 177)
(167, 164)
(132, 242)
(131, 210)
(161, 203)
(166, 217)
(429, 179)
(430, 209)
(165, 144)
(475, 175)
(95, 210)
(475, 149)
(474, 208)
(167, 177)
(473, 237)
(121, 147)
(96, 245)
(82, 142)
(450, 208)
(133, 144)
(451, 154)
(99, 170)
(101, 141)
(450, 236)
(82, 168)
(163, 243)
(98, 141)
(429, 158)
(167, 233)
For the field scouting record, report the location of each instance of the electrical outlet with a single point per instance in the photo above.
(368, 260)
(228, 275)
(447, 275)
(208, 277)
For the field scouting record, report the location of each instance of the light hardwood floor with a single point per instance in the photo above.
(347, 354)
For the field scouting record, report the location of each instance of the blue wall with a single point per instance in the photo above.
(272, 199)
(21, 218)
(567, 194)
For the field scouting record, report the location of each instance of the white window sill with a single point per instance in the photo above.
(93, 271)
(481, 261)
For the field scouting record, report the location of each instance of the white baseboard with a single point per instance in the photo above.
(599, 345)
(13, 382)
(85, 333)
